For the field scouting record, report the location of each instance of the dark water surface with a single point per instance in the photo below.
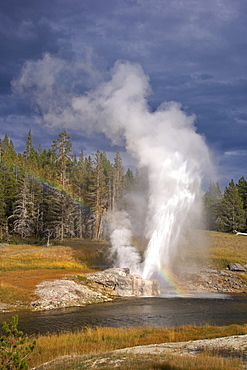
(162, 311)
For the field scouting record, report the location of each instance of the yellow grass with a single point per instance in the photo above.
(29, 258)
(224, 248)
(22, 267)
(99, 340)
(31, 262)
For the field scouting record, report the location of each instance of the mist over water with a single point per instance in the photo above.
(164, 143)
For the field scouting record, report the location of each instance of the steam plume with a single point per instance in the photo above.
(164, 142)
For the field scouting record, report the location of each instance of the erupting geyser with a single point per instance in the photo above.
(175, 158)
(164, 142)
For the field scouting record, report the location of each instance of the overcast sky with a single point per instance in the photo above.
(193, 52)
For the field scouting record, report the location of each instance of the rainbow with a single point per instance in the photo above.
(169, 281)
(53, 186)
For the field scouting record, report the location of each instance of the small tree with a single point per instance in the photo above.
(13, 348)
(212, 201)
(242, 191)
(231, 212)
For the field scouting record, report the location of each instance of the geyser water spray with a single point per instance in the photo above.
(164, 142)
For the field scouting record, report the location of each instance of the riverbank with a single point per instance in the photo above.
(28, 271)
(185, 347)
(78, 290)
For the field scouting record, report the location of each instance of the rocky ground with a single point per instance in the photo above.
(216, 281)
(234, 345)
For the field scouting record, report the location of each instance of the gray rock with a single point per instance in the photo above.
(96, 287)
(119, 282)
(234, 266)
(64, 293)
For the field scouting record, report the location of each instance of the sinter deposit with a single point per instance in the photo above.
(94, 288)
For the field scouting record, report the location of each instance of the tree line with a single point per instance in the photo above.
(51, 193)
(227, 211)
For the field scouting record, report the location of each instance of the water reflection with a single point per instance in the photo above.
(162, 311)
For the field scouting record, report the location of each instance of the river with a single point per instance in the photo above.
(161, 311)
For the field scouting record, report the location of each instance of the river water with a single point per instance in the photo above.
(161, 311)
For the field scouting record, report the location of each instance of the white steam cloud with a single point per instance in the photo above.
(164, 142)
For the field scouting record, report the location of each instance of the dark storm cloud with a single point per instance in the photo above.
(193, 51)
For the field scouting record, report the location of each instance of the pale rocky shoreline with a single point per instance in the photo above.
(109, 284)
(92, 288)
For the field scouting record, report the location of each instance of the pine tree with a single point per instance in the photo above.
(118, 180)
(231, 212)
(47, 217)
(23, 213)
(129, 180)
(212, 199)
(79, 187)
(108, 175)
(88, 210)
(63, 147)
(2, 209)
(14, 349)
(8, 154)
(98, 194)
(9, 180)
(29, 153)
(242, 191)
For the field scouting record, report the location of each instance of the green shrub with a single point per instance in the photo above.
(13, 348)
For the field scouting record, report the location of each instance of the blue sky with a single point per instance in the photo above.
(194, 52)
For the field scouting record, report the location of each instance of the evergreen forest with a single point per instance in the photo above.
(227, 211)
(54, 194)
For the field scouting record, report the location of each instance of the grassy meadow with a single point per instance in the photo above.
(23, 266)
(224, 248)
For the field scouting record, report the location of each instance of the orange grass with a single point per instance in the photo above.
(22, 267)
(101, 339)
(28, 280)
(11, 294)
